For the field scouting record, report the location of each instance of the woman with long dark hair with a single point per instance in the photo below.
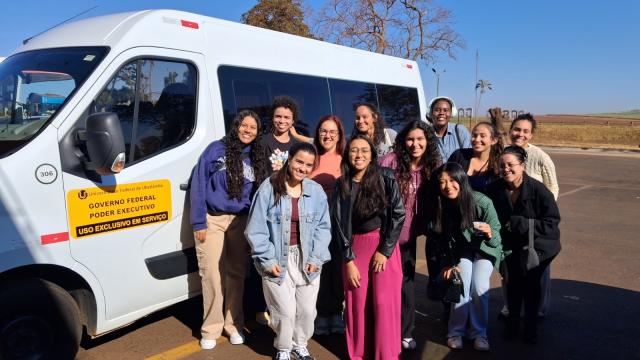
(480, 161)
(330, 141)
(289, 233)
(465, 228)
(526, 208)
(367, 217)
(369, 122)
(414, 158)
(223, 182)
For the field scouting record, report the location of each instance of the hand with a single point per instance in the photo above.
(274, 271)
(484, 228)
(200, 235)
(353, 274)
(379, 262)
(311, 268)
(447, 272)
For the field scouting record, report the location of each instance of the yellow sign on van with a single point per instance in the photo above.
(98, 210)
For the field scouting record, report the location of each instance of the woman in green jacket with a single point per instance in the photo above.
(466, 231)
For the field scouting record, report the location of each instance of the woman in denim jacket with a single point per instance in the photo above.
(289, 231)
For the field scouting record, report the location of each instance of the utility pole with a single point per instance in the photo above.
(438, 73)
(475, 110)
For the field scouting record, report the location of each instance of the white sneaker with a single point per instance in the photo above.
(409, 344)
(236, 338)
(481, 344)
(282, 355)
(207, 344)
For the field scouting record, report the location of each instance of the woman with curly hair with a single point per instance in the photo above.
(413, 159)
(367, 217)
(480, 162)
(228, 172)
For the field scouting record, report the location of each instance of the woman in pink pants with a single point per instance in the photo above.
(367, 218)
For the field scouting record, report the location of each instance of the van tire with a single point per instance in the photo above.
(38, 320)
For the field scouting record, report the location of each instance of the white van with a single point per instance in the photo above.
(85, 245)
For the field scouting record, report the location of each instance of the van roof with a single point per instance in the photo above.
(226, 42)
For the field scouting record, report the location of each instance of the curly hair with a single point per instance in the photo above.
(496, 149)
(371, 198)
(429, 161)
(378, 132)
(287, 103)
(340, 144)
(233, 156)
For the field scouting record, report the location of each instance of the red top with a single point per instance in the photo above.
(295, 222)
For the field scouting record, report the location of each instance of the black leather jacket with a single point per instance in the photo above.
(392, 219)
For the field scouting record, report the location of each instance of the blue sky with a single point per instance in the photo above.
(547, 57)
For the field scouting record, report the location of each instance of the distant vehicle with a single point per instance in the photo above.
(101, 123)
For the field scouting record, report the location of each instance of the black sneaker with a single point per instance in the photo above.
(301, 353)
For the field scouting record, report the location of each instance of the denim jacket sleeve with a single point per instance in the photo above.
(257, 230)
(322, 232)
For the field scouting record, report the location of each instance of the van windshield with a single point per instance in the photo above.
(34, 86)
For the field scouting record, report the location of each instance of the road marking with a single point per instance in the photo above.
(575, 190)
(182, 351)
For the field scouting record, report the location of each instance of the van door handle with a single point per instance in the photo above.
(184, 187)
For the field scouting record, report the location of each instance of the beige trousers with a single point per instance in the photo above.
(222, 259)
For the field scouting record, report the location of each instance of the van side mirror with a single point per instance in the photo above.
(105, 143)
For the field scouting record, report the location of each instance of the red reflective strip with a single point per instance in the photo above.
(189, 24)
(410, 66)
(54, 238)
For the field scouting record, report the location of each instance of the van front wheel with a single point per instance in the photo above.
(38, 320)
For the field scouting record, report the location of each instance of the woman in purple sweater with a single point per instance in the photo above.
(228, 172)
(415, 155)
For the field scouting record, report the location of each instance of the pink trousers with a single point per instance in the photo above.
(372, 311)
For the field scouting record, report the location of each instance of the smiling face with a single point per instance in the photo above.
(359, 155)
(449, 188)
(521, 133)
(511, 169)
(416, 143)
(248, 130)
(282, 120)
(300, 166)
(329, 135)
(482, 139)
(441, 113)
(365, 120)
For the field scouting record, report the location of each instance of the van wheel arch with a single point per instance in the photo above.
(63, 277)
(38, 319)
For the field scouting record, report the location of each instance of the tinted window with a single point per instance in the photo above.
(155, 101)
(243, 88)
(345, 94)
(398, 105)
(255, 89)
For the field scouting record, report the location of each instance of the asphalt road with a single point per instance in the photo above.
(595, 305)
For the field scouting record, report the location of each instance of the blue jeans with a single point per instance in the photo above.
(473, 308)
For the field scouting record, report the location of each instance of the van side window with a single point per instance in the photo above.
(398, 105)
(156, 103)
(253, 89)
(243, 88)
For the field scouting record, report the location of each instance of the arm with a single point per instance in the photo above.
(547, 217)
(293, 132)
(321, 234)
(257, 230)
(549, 177)
(396, 215)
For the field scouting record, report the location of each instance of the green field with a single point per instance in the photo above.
(633, 114)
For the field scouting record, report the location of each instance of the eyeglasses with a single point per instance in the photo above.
(510, 165)
(332, 133)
